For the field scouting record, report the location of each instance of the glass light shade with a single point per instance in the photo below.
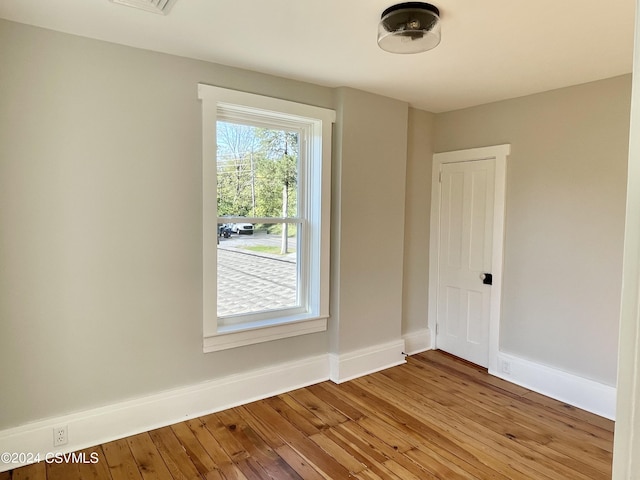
(412, 27)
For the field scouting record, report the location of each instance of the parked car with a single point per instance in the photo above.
(224, 230)
(242, 228)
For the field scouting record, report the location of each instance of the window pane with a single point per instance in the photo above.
(257, 170)
(257, 270)
(257, 173)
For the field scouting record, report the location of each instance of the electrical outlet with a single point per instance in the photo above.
(506, 367)
(60, 436)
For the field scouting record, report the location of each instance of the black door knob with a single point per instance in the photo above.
(486, 278)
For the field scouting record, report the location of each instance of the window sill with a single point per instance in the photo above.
(232, 336)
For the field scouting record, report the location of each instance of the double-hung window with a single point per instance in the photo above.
(265, 217)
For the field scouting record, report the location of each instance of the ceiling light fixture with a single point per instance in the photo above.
(410, 27)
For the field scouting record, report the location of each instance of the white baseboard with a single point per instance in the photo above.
(417, 342)
(100, 425)
(368, 360)
(580, 392)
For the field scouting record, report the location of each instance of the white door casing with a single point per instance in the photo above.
(626, 445)
(456, 292)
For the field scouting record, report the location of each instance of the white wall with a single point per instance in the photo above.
(100, 238)
(564, 221)
(100, 245)
(369, 194)
(415, 292)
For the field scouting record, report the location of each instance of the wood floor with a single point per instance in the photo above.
(435, 417)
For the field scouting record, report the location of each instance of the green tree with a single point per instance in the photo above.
(278, 174)
(257, 173)
(239, 148)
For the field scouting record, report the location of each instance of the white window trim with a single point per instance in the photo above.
(319, 120)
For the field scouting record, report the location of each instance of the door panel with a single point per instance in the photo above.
(452, 310)
(466, 229)
(454, 219)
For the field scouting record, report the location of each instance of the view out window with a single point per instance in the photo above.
(266, 190)
(259, 230)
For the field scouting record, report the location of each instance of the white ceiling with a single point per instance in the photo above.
(490, 49)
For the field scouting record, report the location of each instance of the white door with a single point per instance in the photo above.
(465, 251)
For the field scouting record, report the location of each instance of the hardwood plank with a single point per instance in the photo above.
(231, 446)
(393, 433)
(268, 460)
(495, 392)
(94, 465)
(390, 452)
(338, 453)
(63, 471)
(467, 369)
(202, 461)
(401, 472)
(587, 450)
(35, 471)
(232, 472)
(443, 469)
(550, 404)
(173, 453)
(357, 446)
(373, 457)
(262, 429)
(346, 408)
(120, 461)
(518, 408)
(418, 431)
(87, 464)
(435, 417)
(213, 475)
(524, 455)
(252, 469)
(571, 411)
(327, 415)
(402, 439)
(563, 445)
(298, 463)
(148, 458)
(296, 414)
(298, 441)
(584, 418)
(434, 445)
(371, 475)
(255, 462)
(294, 459)
(210, 444)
